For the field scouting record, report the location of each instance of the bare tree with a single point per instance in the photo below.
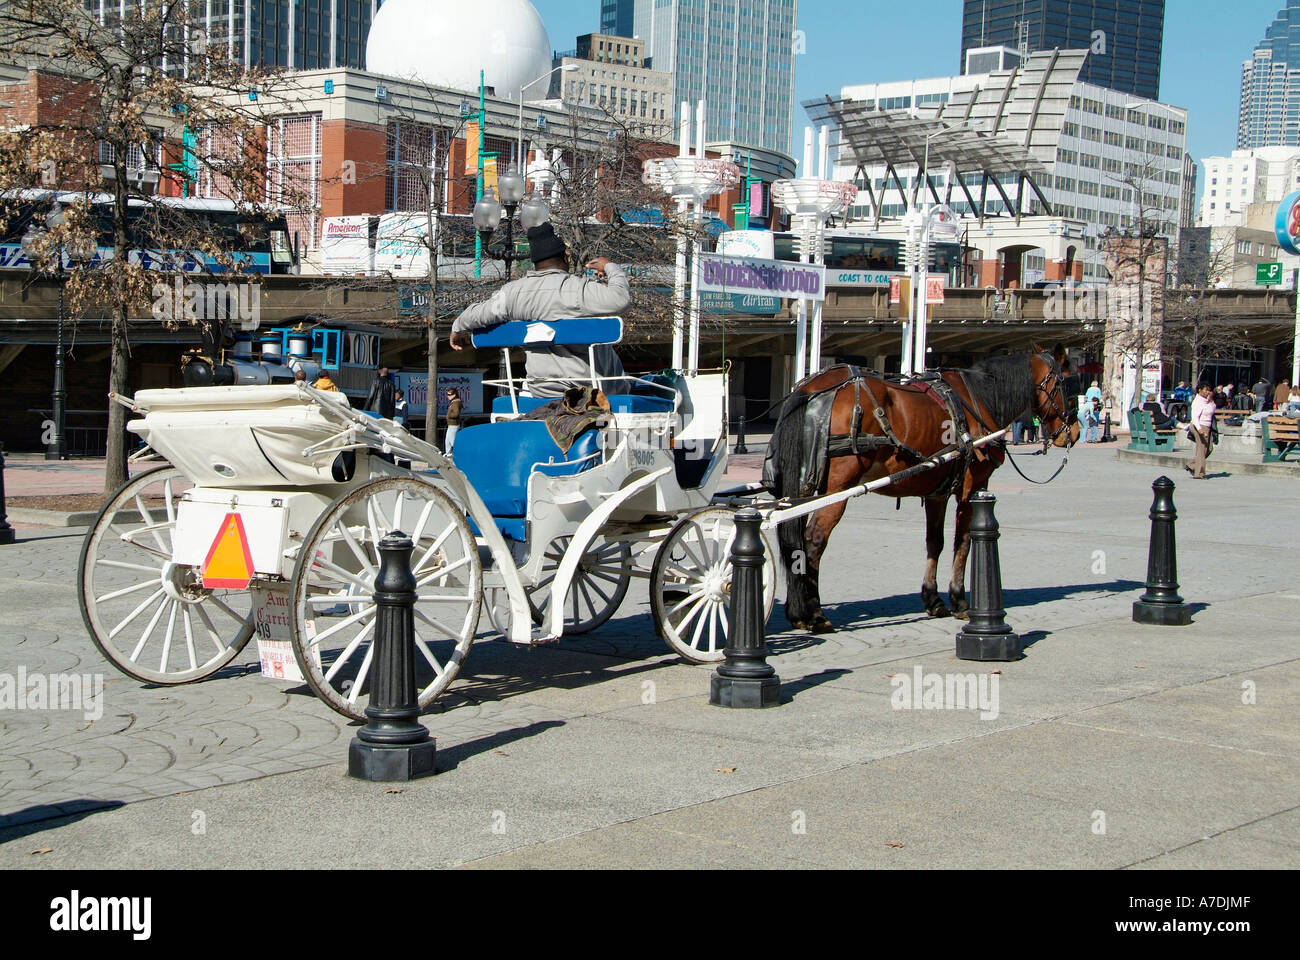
(138, 82)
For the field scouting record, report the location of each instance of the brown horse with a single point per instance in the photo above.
(843, 427)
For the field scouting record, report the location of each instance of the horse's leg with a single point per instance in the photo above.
(960, 552)
(935, 511)
(820, 525)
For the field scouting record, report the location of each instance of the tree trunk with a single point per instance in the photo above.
(115, 474)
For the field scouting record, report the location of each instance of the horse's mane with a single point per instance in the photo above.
(1003, 385)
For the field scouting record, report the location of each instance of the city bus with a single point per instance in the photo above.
(260, 244)
(853, 258)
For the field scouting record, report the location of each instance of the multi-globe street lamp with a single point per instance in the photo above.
(489, 214)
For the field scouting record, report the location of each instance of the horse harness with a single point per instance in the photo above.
(858, 444)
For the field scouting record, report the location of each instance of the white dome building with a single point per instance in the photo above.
(445, 43)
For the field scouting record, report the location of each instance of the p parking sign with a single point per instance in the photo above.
(1268, 274)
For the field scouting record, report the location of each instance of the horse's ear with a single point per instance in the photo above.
(1058, 354)
(1036, 348)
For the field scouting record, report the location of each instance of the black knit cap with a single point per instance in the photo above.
(543, 244)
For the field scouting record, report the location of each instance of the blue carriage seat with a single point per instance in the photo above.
(497, 458)
(578, 331)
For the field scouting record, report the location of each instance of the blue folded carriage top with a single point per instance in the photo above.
(498, 458)
(579, 331)
(618, 403)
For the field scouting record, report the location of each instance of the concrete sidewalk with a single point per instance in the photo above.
(1111, 745)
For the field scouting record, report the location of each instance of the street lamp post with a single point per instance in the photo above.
(58, 449)
(519, 152)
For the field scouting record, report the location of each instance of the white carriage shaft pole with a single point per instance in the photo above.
(820, 503)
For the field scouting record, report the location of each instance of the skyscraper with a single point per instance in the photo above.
(298, 34)
(1270, 85)
(1124, 37)
(737, 55)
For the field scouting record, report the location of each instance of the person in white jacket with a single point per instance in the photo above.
(550, 292)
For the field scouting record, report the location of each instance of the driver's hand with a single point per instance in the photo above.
(460, 340)
(599, 265)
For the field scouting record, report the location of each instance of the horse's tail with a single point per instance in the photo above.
(782, 474)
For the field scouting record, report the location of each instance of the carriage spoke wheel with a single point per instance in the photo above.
(334, 580)
(690, 584)
(598, 586)
(151, 617)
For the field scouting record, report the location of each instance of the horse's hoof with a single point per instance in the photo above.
(961, 614)
(938, 612)
(821, 625)
(799, 625)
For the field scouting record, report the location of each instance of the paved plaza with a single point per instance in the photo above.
(1109, 745)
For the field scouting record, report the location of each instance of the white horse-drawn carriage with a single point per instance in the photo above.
(267, 517)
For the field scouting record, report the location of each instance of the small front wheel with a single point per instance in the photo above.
(690, 584)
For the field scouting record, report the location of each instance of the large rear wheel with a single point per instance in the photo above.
(151, 617)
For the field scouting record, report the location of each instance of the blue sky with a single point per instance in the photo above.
(874, 40)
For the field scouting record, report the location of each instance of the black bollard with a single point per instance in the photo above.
(393, 745)
(986, 635)
(1161, 605)
(6, 531)
(1106, 435)
(740, 438)
(746, 679)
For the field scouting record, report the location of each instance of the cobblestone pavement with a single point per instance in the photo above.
(563, 739)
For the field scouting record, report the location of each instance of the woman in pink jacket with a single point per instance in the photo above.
(1202, 426)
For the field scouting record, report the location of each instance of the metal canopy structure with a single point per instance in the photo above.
(1007, 123)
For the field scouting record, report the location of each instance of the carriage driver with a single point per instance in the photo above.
(550, 292)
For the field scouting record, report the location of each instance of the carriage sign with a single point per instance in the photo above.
(721, 273)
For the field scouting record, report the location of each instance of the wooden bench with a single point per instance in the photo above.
(1281, 437)
(1144, 436)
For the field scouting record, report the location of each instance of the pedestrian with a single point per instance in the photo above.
(453, 419)
(1281, 395)
(323, 382)
(1094, 392)
(399, 408)
(550, 292)
(1201, 428)
(1093, 422)
(1261, 390)
(382, 398)
(1293, 402)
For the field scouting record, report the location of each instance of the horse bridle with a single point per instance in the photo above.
(1057, 391)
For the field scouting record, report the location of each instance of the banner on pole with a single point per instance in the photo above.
(720, 273)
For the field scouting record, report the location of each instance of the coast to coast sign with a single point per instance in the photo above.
(721, 273)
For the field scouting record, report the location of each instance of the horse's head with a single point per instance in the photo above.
(1057, 412)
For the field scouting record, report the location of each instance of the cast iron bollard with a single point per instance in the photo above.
(740, 438)
(986, 635)
(393, 745)
(6, 531)
(1161, 605)
(1106, 435)
(746, 679)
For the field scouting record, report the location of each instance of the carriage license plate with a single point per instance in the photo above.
(271, 613)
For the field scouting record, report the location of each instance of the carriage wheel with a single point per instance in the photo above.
(152, 618)
(598, 586)
(690, 584)
(334, 580)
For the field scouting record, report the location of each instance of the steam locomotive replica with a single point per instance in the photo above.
(275, 355)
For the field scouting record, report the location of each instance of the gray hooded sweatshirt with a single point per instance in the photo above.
(557, 295)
